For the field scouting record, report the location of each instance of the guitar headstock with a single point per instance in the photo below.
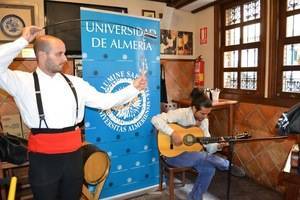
(243, 135)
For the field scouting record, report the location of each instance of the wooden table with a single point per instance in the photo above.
(217, 105)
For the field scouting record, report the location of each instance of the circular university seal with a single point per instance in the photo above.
(131, 115)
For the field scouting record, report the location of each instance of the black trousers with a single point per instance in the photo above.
(56, 176)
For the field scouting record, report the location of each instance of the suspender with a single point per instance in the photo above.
(74, 92)
(39, 97)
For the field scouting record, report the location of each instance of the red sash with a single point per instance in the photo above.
(55, 143)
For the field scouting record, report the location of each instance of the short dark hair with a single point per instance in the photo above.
(41, 44)
(200, 99)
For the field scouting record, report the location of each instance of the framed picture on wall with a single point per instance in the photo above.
(176, 43)
(13, 18)
(168, 42)
(148, 13)
(185, 43)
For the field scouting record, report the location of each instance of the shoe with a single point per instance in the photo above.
(187, 188)
(237, 171)
(180, 195)
(208, 196)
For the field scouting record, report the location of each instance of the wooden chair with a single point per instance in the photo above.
(12, 188)
(21, 173)
(171, 172)
(96, 169)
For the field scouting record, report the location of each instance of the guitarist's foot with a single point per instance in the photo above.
(237, 171)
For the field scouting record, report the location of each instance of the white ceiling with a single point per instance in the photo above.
(196, 4)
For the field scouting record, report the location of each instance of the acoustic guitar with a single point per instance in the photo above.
(192, 140)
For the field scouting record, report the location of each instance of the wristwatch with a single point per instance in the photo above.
(12, 25)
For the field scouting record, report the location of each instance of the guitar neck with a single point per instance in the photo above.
(207, 140)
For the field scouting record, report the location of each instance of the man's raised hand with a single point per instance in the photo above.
(140, 83)
(30, 32)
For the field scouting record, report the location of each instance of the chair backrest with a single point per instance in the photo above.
(96, 168)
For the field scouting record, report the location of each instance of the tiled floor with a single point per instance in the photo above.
(241, 189)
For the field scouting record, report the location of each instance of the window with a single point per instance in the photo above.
(241, 64)
(288, 67)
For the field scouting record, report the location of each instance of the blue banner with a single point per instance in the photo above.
(116, 48)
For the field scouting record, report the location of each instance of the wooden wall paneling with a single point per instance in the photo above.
(218, 123)
(179, 78)
(262, 160)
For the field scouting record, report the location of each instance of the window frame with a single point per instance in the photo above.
(220, 10)
(270, 96)
(282, 40)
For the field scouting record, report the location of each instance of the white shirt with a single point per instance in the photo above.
(184, 117)
(58, 100)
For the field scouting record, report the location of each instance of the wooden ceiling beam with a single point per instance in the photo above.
(176, 3)
(203, 7)
(181, 3)
(207, 6)
(163, 1)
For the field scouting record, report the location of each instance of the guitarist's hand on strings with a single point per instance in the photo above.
(222, 144)
(176, 138)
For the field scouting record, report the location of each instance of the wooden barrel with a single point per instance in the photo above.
(96, 164)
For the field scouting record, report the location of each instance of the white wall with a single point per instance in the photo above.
(205, 18)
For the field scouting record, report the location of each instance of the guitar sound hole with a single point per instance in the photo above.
(189, 140)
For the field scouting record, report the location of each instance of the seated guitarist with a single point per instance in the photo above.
(205, 162)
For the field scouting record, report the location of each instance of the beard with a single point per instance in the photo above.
(54, 67)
